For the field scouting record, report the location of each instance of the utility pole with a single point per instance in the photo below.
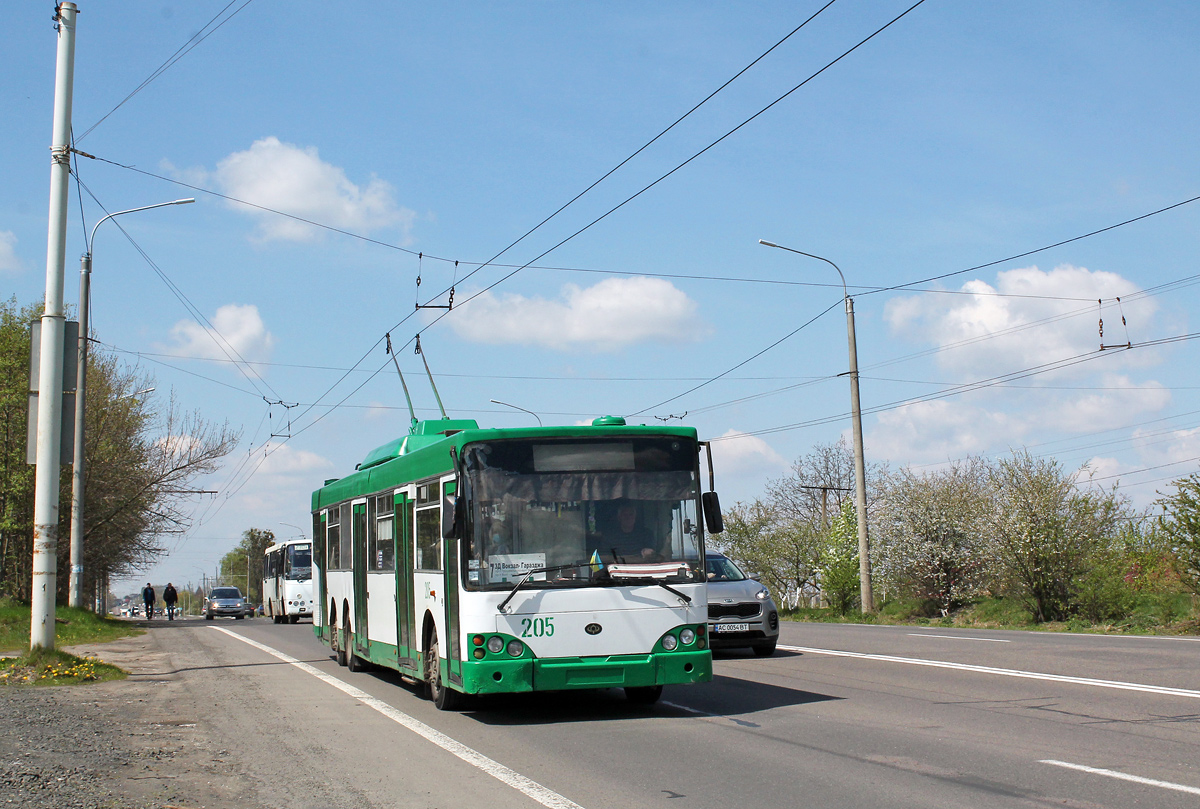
(50, 377)
(825, 490)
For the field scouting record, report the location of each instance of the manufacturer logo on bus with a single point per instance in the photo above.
(593, 629)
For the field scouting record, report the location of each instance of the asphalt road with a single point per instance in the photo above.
(842, 716)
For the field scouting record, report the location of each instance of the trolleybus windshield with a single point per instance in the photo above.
(569, 509)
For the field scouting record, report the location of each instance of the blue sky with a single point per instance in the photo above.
(961, 135)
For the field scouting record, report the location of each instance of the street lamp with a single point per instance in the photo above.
(860, 478)
(75, 596)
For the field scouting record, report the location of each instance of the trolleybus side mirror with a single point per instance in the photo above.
(449, 515)
(712, 512)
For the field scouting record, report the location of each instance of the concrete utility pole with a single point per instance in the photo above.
(50, 382)
(75, 597)
(860, 476)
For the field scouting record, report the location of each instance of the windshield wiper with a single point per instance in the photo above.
(529, 573)
(626, 577)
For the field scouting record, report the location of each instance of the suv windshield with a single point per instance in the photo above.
(578, 506)
(721, 568)
(226, 592)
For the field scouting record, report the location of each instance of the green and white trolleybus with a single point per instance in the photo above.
(485, 561)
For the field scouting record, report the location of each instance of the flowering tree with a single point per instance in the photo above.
(784, 554)
(839, 561)
(931, 536)
(1048, 531)
(1180, 522)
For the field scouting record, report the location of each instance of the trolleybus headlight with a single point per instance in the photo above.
(687, 636)
(515, 648)
(495, 644)
(669, 642)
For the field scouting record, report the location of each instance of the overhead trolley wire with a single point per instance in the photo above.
(681, 165)
(1039, 249)
(183, 51)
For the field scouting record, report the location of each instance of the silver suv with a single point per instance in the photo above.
(740, 610)
(226, 601)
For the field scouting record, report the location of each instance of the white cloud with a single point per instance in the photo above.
(1156, 447)
(614, 313)
(738, 454)
(295, 180)
(237, 326)
(957, 323)
(284, 459)
(1119, 400)
(9, 262)
(935, 432)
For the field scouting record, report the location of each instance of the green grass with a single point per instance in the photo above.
(71, 627)
(54, 667)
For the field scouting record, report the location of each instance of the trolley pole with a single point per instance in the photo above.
(50, 381)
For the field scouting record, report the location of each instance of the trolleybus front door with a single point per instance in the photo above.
(450, 587)
(359, 545)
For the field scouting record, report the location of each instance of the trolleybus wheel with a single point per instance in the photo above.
(338, 636)
(644, 695)
(446, 699)
(353, 661)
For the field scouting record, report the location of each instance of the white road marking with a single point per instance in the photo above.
(1028, 675)
(954, 637)
(1137, 779)
(543, 795)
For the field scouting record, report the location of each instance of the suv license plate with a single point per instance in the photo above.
(731, 628)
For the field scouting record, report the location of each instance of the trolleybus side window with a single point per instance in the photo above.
(333, 534)
(381, 548)
(346, 543)
(428, 528)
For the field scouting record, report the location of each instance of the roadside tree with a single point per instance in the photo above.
(839, 571)
(1049, 532)
(784, 554)
(247, 557)
(1180, 523)
(932, 538)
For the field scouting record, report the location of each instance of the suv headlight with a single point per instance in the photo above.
(763, 594)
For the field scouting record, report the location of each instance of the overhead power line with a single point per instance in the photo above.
(184, 49)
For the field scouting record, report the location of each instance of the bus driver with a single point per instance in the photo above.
(630, 539)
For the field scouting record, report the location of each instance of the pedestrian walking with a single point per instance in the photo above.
(149, 597)
(169, 598)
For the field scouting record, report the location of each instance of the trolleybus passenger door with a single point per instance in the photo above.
(406, 650)
(320, 619)
(359, 545)
(452, 643)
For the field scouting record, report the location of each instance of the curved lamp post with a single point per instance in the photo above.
(860, 477)
(75, 596)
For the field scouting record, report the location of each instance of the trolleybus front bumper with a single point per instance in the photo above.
(565, 673)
